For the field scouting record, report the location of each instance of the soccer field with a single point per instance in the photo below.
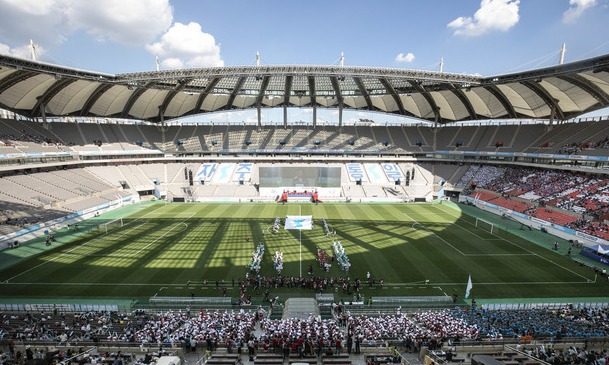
(183, 249)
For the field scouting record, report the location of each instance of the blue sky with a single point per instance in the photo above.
(478, 37)
(486, 37)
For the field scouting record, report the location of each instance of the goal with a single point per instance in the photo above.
(486, 225)
(109, 226)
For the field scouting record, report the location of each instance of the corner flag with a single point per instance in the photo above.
(469, 286)
(299, 222)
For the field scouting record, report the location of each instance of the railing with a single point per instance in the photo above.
(412, 300)
(49, 307)
(548, 306)
(515, 350)
(154, 301)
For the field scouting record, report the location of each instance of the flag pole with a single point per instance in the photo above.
(300, 243)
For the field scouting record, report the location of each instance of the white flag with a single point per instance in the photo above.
(299, 222)
(469, 286)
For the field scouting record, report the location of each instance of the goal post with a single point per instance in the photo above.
(111, 225)
(486, 225)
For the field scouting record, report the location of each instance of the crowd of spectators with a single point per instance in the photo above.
(305, 336)
(572, 355)
(545, 184)
(318, 284)
(479, 175)
(576, 147)
(20, 222)
(373, 328)
(234, 327)
(585, 197)
(6, 139)
(173, 328)
(59, 327)
(567, 322)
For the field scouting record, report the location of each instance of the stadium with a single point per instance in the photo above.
(469, 236)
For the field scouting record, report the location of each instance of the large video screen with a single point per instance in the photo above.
(304, 176)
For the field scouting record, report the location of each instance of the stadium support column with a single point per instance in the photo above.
(434, 147)
(311, 80)
(162, 116)
(259, 113)
(436, 119)
(43, 114)
(339, 98)
(286, 99)
(285, 116)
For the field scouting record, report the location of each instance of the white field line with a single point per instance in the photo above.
(500, 254)
(122, 233)
(526, 249)
(94, 284)
(165, 234)
(79, 246)
(428, 230)
(463, 228)
(143, 248)
(405, 285)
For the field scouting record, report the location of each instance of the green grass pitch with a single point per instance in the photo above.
(172, 249)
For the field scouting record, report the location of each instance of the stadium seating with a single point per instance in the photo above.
(573, 193)
(588, 137)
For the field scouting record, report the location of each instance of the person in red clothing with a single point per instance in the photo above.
(338, 346)
(275, 345)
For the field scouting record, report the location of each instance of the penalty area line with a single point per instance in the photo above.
(440, 289)
(527, 250)
(430, 231)
(75, 248)
(165, 285)
(165, 234)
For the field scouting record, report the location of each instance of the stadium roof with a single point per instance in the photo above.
(36, 89)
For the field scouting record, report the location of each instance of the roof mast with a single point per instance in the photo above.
(32, 50)
(563, 50)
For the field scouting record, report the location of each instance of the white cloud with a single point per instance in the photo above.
(493, 15)
(33, 7)
(4, 49)
(21, 51)
(51, 22)
(32, 19)
(187, 45)
(576, 9)
(129, 22)
(404, 58)
(172, 63)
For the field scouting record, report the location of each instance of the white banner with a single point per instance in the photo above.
(206, 171)
(375, 172)
(392, 171)
(356, 172)
(224, 173)
(299, 222)
(243, 172)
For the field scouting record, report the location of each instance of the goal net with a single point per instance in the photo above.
(112, 225)
(486, 225)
